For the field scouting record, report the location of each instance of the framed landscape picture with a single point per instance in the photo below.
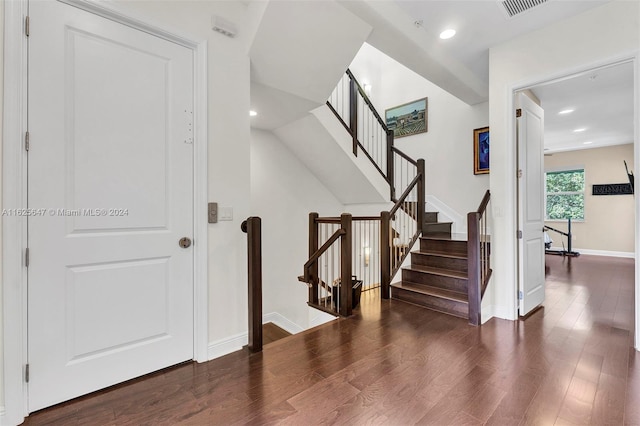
(407, 119)
(481, 151)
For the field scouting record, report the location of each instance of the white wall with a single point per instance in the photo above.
(447, 146)
(608, 219)
(283, 193)
(598, 36)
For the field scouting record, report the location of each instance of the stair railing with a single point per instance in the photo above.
(369, 133)
(400, 227)
(478, 257)
(328, 270)
(397, 230)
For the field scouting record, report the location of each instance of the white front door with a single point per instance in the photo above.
(530, 127)
(110, 291)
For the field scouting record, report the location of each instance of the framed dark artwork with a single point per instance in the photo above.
(481, 151)
(407, 119)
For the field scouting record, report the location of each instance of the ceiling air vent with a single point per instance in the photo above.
(516, 7)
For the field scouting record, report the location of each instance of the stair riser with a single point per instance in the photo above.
(455, 264)
(444, 246)
(437, 228)
(451, 307)
(431, 216)
(425, 278)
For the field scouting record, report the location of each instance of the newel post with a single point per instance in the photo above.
(385, 254)
(313, 247)
(421, 195)
(473, 259)
(345, 266)
(253, 227)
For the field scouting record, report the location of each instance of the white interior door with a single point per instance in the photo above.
(530, 129)
(110, 165)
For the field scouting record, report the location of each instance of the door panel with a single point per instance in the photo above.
(110, 290)
(531, 204)
(128, 156)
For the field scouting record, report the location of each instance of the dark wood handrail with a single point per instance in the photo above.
(405, 156)
(367, 101)
(405, 194)
(253, 228)
(315, 256)
(346, 126)
(484, 202)
(337, 219)
(366, 153)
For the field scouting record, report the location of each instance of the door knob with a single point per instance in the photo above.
(184, 242)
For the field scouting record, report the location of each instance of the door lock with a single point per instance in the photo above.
(184, 242)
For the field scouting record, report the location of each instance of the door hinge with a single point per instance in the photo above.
(26, 257)
(26, 25)
(519, 235)
(26, 373)
(26, 141)
(518, 113)
(519, 173)
(520, 295)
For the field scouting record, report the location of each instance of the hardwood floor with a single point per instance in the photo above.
(272, 333)
(571, 362)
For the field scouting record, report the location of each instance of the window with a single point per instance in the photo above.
(565, 195)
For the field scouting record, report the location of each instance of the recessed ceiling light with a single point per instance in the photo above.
(587, 143)
(582, 129)
(446, 34)
(566, 111)
(252, 113)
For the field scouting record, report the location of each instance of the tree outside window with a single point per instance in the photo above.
(565, 195)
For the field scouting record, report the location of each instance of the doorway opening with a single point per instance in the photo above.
(584, 185)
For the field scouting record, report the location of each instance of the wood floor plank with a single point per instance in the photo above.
(608, 407)
(513, 406)
(578, 402)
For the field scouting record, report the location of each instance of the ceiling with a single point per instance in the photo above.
(480, 25)
(602, 101)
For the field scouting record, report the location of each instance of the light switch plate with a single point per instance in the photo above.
(226, 213)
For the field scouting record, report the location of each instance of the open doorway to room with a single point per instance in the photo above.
(579, 183)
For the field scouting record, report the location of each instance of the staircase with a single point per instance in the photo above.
(448, 274)
(437, 278)
(433, 227)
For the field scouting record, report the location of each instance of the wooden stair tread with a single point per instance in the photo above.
(437, 223)
(452, 237)
(432, 291)
(440, 253)
(438, 271)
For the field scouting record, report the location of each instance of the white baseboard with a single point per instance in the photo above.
(317, 317)
(494, 311)
(282, 322)
(627, 254)
(234, 343)
(227, 345)
(459, 222)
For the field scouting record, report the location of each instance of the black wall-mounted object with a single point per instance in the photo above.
(612, 189)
